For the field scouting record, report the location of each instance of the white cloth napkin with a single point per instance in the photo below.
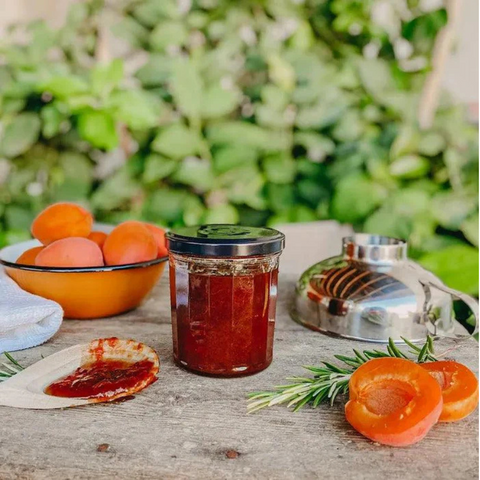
(26, 320)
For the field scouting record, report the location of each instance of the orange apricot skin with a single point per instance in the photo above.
(129, 242)
(459, 389)
(406, 425)
(28, 256)
(98, 237)
(159, 236)
(71, 252)
(62, 220)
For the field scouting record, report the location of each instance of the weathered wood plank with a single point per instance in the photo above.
(184, 425)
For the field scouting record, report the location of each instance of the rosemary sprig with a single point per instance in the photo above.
(8, 370)
(329, 380)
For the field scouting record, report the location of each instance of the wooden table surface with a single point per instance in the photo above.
(188, 426)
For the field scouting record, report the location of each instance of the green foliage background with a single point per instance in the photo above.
(257, 112)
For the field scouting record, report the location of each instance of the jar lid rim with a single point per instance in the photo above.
(225, 240)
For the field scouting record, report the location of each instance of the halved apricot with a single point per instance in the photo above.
(159, 236)
(71, 252)
(98, 237)
(61, 220)
(129, 242)
(459, 389)
(28, 256)
(393, 402)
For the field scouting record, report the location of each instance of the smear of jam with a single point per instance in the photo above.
(223, 325)
(102, 378)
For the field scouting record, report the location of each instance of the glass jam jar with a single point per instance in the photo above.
(223, 291)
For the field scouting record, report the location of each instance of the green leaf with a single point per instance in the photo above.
(194, 211)
(245, 186)
(355, 197)
(98, 128)
(312, 191)
(176, 141)
(281, 72)
(470, 229)
(320, 115)
(166, 205)
(158, 167)
(280, 197)
(303, 38)
(19, 218)
(350, 127)
(20, 134)
(168, 34)
(65, 86)
(385, 221)
(11, 105)
(221, 214)
(406, 142)
(228, 158)
(457, 267)
(77, 177)
(242, 133)
(196, 173)
(317, 146)
(218, 102)
(280, 168)
(409, 166)
(375, 76)
(275, 97)
(77, 13)
(104, 78)
(156, 71)
(52, 119)
(138, 109)
(131, 31)
(149, 13)
(301, 213)
(115, 191)
(42, 40)
(269, 117)
(451, 209)
(187, 88)
(432, 144)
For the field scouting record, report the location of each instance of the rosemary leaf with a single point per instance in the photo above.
(431, 348)
(362, 358)
(423, 353)
(12, 360)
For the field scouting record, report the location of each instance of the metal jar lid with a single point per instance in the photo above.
(225, 240)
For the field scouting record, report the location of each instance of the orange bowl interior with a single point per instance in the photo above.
(104, 292)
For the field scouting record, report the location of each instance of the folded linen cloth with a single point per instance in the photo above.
(26, 320)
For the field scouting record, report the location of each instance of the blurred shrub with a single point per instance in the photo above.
(257, 112)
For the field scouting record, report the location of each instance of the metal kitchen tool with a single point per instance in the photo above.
(372, 291)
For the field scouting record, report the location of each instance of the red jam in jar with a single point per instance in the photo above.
(223, 286)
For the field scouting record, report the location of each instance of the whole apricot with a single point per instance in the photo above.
(159, 236)
(98, 237)
(129, 242)
(28, 256)
(71, 252)
(62, 220)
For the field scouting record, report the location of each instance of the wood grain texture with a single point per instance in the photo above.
(187, 426)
